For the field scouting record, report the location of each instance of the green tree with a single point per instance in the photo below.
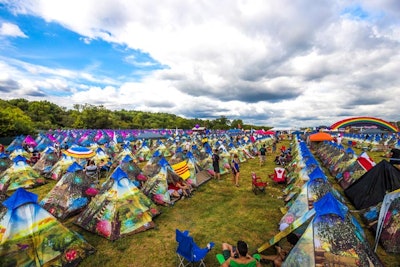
(237, 123)
(13, 121)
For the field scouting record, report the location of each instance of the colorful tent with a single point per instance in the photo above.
(119, 209)
(20, 174)
(134, 172)
(388, 229)
(30, 236)
(5, 162)
(71, 193)
(61, 166)
(156, 187)
(313, 190)
(198, 175)
(46, 162)
(332, 238)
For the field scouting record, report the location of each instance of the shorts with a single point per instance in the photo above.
(216, 168)
(226, 253)
(170, 191)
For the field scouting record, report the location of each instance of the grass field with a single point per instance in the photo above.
(218, 212)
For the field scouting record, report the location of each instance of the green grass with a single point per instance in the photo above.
(218, 212)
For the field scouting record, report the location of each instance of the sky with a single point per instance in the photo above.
(286, 63)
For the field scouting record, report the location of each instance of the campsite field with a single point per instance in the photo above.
(218, 212)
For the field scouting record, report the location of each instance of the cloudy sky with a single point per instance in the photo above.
(276, 63)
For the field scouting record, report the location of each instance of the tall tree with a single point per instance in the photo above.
(13, 121)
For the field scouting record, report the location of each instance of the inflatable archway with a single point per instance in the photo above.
(357, 121)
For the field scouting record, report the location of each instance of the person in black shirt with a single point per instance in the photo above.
(395, 156)
(263, 152)
(215, 162)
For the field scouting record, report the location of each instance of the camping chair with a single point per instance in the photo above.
(279, 175)
(188, 252)
(221, 260)
(257, 184)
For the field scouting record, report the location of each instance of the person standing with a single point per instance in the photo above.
(215, 162)
(263, 155)
(235, 169)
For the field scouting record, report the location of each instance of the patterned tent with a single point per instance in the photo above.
(20, 174)
(119, 209)
(315, 188)
(30, 236)
(135, 174)
(156, 187)
(388, 229)
(46, 162)
(332, 238)
(71, 193)
(5, 162)
(61, 166)
(198, 175)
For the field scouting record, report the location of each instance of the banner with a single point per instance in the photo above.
(182, 169)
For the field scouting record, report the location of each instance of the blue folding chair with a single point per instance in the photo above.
(188, 252)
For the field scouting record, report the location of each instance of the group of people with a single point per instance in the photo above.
(234, 165)
(93, 170)
(180, 189)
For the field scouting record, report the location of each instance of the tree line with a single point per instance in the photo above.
(20, 116)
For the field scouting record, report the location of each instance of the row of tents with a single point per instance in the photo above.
(32, 233)
(329, 233)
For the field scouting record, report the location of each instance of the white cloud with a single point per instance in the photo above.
(9, 29)
(272, 62)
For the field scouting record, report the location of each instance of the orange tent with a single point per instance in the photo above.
(321, 136)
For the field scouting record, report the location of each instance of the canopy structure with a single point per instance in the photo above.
(320, 136)
(80, 152)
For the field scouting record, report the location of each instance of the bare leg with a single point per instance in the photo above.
(226, 246)
(237, 178)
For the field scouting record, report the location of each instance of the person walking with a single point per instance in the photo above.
(235, 167)
(263, 156)
(215, 162)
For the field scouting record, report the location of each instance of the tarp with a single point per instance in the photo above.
(371, 188)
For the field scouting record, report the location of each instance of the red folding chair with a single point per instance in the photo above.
(279, 175)
(257, 184)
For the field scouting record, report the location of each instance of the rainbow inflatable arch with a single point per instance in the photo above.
(364, 121)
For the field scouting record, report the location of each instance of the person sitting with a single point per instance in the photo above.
(91, 168)
(35, 157)
(180, 189)
(238, 254)
(174, 191)
(280, 252)
(280, 160)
